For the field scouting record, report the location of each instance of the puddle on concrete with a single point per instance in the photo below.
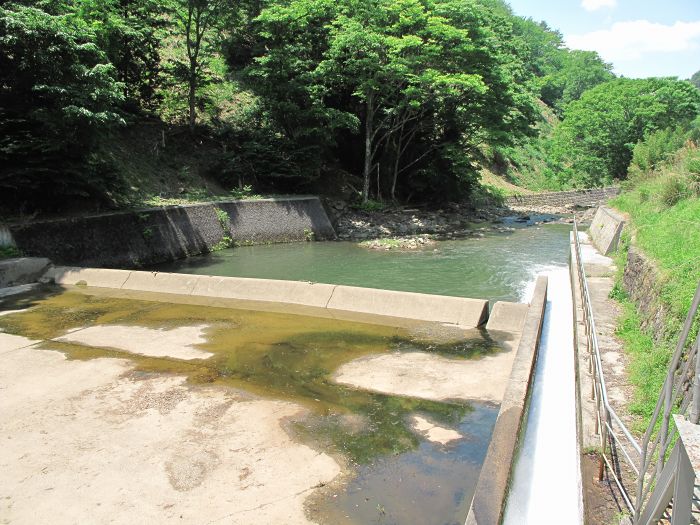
(293, 357)
(431, 485)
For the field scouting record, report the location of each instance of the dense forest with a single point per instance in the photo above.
(103, 102)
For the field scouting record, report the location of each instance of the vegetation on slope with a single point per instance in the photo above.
(663, 204)
(370, 99)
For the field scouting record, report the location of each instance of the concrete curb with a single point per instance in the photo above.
(461, 311)
(492, 488)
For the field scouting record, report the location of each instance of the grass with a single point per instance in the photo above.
(668, 231)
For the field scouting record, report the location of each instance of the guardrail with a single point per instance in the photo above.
(664, 465)
(616, 441)
(665, 457)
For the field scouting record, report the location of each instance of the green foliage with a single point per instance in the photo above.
(9, 252)
(561, 75)
(597, 136)
(130, 34)
(401, 85)
(656, 147)
(578, 72)
(695, 79)
(668, 231)
(55, 105)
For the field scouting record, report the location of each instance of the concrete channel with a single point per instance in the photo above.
(84, 428)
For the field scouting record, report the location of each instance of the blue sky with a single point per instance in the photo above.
(640, 38)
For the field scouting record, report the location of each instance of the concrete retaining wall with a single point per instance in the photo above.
(464, 312)
(22, 270)
(141, 238)
(588, 198)
(606, 229)
(492, 488)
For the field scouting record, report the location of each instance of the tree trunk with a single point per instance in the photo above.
(397, 161)
(192, 99)
(369, 118)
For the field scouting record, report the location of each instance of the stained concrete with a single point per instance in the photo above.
(92, 442)
(460, 311)
(180, 342)
(138, 238)
(606, 229)
(433, 432)
(22, 270)
(429, 376)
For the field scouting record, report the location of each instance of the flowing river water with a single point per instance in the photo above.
(396, 475)
(497, 266)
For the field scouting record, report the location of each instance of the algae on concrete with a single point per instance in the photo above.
(269, 354)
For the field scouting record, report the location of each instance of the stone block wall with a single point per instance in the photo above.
(134, 239)
(560, 199)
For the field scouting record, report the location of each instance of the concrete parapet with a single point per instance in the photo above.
(456, 310)
(291, 292)
(98, 277)
(492, 488)
(22, 270)
(605, 230)
(507, 317)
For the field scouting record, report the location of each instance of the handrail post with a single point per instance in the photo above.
(695, 412)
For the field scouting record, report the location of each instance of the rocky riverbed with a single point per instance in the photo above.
(413, 228)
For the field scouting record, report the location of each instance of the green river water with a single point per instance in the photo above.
(396, 475)
(496, 267)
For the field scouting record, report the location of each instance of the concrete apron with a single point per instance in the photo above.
(101, 406)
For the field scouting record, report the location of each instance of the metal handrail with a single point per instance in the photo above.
(609, 426)
(674, 394)
(680, 394)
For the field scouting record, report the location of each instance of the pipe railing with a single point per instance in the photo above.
(657, 463)
(616, 441)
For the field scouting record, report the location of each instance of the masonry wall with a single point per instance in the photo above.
(642, 281)
(591, 197)
(140, 238)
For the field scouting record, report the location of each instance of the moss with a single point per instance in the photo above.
(269, 354)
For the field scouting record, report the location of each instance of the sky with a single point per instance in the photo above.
(641, 38)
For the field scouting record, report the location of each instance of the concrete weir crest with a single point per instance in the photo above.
(460, 311)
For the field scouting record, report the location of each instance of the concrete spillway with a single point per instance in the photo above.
(546, 483)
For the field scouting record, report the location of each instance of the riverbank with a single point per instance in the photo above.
(451, 222)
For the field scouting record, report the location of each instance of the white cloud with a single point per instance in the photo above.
(594, 5)
(634, 39)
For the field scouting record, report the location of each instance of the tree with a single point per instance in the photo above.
(695, 79)
(58, 96)
(600, 130)
(407, 78)
(196, 19)
(130, 33)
